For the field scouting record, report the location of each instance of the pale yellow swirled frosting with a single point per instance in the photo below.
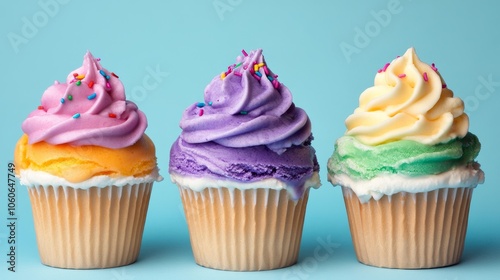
(409, 101)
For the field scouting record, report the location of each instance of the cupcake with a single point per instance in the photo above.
(407, 169)
(89, 169)
(244, 165)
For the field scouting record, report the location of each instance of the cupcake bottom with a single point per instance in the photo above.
(409, 230)
(89, 228)
(244, 229)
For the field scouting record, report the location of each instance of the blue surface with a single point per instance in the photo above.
(326, 52)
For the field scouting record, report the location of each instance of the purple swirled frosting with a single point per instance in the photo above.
(246, 129)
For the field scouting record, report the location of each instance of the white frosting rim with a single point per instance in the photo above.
(199, 184)
(35, 178)
(468, 176)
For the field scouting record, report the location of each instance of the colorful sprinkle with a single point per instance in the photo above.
(433, 66)
(266, 70)
(41, 107)
(210, 103)
(276, 84)
(443, 86)
(200, 105)
(425, 76)
(78, 83)
(258, 74)
(238, 74)
(244, 52)
(91, 84)
(108, 85)
(80, 77)
(76, 116)
(98, 59)
(385, 66)
(70, 97)
(62, 100)
(102, 73)
(270, 78)
(222, 75)
(114, 75)
(111, 115)
(201, 112)
(402, 75)
(92, 96)
(238, 65)
(75, 74)
(107, 77)
(244, 112)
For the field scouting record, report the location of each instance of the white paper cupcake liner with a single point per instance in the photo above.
(409, 230)
(89, 228)
(244, 230)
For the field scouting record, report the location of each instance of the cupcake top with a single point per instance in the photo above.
(246, 106)
(409, 133)
(246, 130)
(85, 133)
(89, 109)
(409, 101)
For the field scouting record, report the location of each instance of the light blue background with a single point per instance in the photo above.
(193, 41)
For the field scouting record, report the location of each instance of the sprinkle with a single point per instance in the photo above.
(266, 70)
(270, 78)
(443, 86)
(210, 103)
(98, 59)
(245, 67)
(433, 66)
(238, 65)
(80, 77)
(75, 74)
(379, 71)
(78, 82)
(201, 112)
(425, 76)
(200, 105)
(92, 96)
(402, 75)
(244, 52)
(62, 100)
(107, 77)
(108, 85)
(237, 74)
(243, 112)
(114, 75)
(91, 84)
(41, 107)
(258, 74)
(111, 115)
(276, 84)
(76, 116)
(385, 66)
(222, 75)
(102, 73)
(70, 97)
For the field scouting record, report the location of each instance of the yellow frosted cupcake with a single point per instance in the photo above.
(89, 169)
(407, 170)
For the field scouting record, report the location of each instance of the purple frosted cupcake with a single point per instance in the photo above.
(244, 165)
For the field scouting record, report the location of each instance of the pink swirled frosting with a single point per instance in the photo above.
(89, 109)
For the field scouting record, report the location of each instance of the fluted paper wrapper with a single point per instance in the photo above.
(89, 228)
(244, 230)
(409, 230)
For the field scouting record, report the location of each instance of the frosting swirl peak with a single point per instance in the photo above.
(246, 106)
(409, 101)
(89, 109)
